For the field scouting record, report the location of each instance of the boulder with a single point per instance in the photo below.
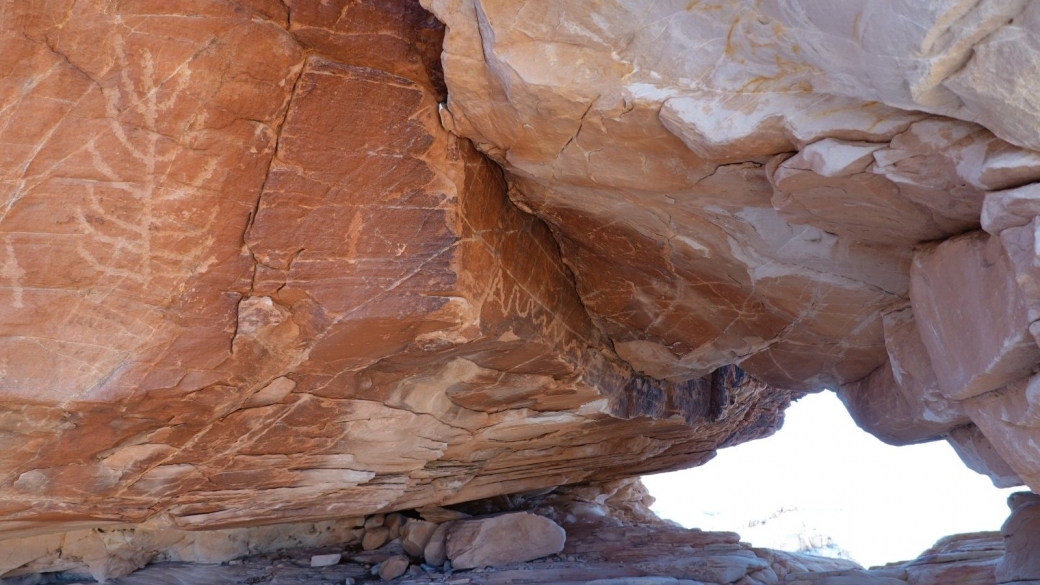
(499, 540)
(393, 567)
(394, 522)
(416, 535)
(1011, 208)
(375, 538)
(436, 550)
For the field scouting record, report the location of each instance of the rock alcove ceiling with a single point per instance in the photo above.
(300, 262)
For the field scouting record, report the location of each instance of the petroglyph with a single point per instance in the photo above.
(130, 236)
(13, 273)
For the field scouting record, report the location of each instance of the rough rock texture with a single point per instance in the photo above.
(792, 186)
(901, 402)
(968, 284)
(247, 277)
(612, 539)
(255, 266)
(978, 454)
(647, 136)
(510, 538)
(1021, 535)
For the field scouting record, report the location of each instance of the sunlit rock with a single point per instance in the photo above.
(972, 315)
(296, 261)
(901, 402)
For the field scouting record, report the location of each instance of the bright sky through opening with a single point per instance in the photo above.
(877, 502)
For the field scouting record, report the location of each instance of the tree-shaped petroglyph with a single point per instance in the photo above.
(133, 214)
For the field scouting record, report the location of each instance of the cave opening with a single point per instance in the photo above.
(823, 486)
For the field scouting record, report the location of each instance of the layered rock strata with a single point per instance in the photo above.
(247, 277)
(612, 538)
(255, 267)
(796, 187)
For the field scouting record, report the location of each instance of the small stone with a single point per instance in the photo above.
(393, 567)
(375, 538)
(349, 581)
(326, 560)
(374, 521)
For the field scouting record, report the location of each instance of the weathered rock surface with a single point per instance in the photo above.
(901, 402)
(247, 277)
(256, 268)
(977, 452)
(501, 540)
(613, 538)
(1021, 532)
(691, 243)
(416, 535)
(1009, 419)
(393, 567)
(972, 315)
(749, 183)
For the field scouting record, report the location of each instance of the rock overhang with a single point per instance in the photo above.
(254, 269)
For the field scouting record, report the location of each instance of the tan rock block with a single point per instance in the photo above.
(436, 551)
(499, 540)
(1020, 245)
(1012, 208)
(992, 81)
(1010, 419)
(972, 316)
(375, 537)
(375, 521)
(326, 560)
(416, 535)
(393, 567)
(976, 451)
(394, 522)
(901, 402)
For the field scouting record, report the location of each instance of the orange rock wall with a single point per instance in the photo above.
(247, 277)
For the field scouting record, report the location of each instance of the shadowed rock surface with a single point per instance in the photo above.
(612, 539)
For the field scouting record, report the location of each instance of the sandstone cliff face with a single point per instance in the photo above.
(255, 268)
(247, 277)
(796, 187)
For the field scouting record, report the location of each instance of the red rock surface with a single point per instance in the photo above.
(793, 188)
(267, 261)
(249, 278)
